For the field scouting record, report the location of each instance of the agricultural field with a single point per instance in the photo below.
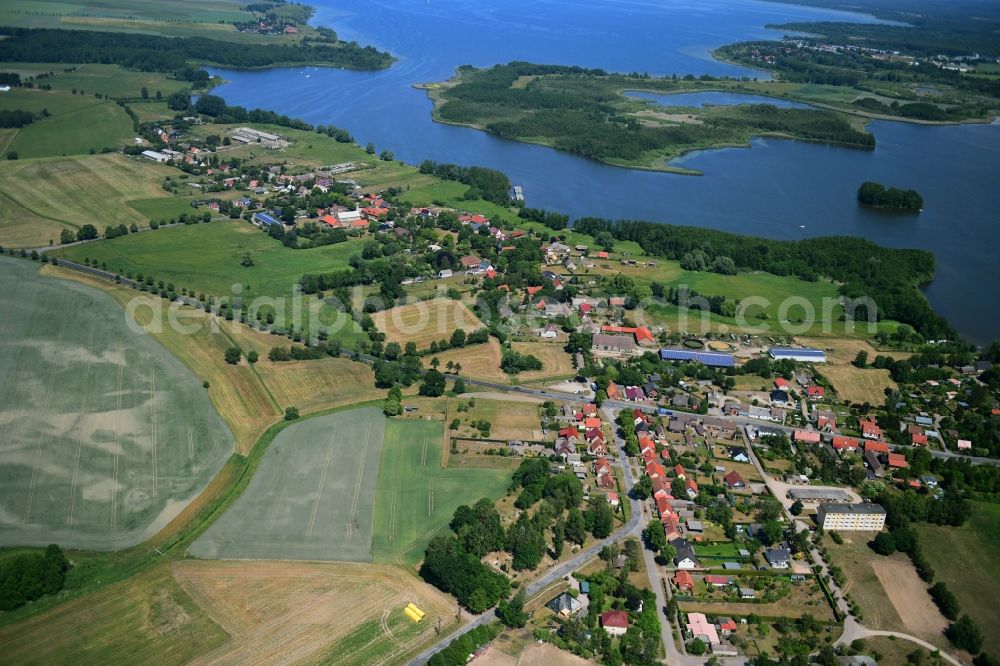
(966, 558)
(91, 78)
(416, 496)
(147, 618)
(248, 398)
(426, 321)
(312, 498)
(106, 435)
(510, 419)
(76, 124)
(307, 612)
(40, 198)
(851, 383)
(478, 361)
(206, 258)
(237, 391)
(211, 19)
(556, 363)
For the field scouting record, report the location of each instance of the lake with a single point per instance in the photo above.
(779, 189)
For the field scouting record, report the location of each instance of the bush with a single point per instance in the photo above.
(233, 355)
(945, 600)
(965, 635)
(291, 413)
(837, 539)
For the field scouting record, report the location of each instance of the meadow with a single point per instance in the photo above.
(206, 258)
(91, 78)
(556, 363)
(966, 559)
(855, 384)
(106, 435)
(40, 198)
(312, 498)
(416, 496)
(76, 124)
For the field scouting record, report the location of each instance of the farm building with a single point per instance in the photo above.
(616, 344)
(805, 354)
(265, 220)
(155, 156)
(711, 359)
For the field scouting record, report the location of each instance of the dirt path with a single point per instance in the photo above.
(909, 596)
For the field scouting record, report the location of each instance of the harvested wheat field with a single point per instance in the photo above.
(478, 361)
(909, 596)
(858, 385)
(145, 619)
(426, 321)
(312, 612)
(319, 384)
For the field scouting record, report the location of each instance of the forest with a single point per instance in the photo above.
(584, 112)
(888, 276)
(876, 195)
(152, 53)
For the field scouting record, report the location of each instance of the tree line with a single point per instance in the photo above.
(488, 184)
(154, 53)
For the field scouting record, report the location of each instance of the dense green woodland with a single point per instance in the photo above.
(583, 111)
(28, 576)
(168, 54)
(877, 195)
(888, 276)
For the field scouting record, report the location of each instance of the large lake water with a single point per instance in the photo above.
(779, 189)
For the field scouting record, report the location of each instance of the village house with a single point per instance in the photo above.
(614, 622)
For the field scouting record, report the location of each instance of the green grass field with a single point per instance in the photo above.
(76, 125)
(312, 497)
(416, 497)
(39, 198)
(967, 558)
(148, 617)
(206, 258)
(105, 435)
(95, 78)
